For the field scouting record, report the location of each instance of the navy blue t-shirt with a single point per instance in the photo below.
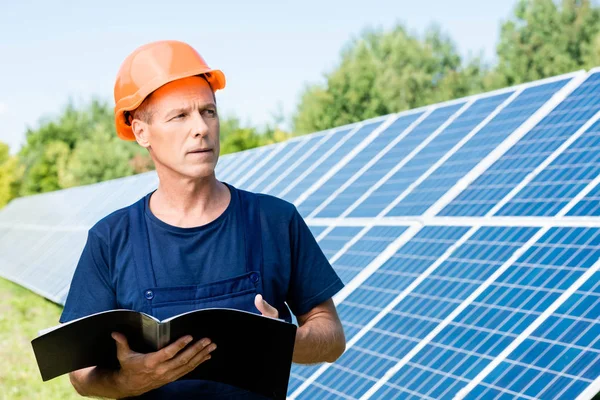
(295, 270)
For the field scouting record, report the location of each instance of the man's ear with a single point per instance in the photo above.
(140, 130)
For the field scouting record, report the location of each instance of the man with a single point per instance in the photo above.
(194, 242)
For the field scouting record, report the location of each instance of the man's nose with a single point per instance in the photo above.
(200, 126)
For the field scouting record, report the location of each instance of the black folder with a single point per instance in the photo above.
(253, 352)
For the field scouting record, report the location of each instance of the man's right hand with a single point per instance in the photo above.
(140, 373)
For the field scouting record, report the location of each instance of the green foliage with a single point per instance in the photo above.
(544, 39)
(235, 137)
(22, 315)
(10, 175)
(383, 72)
(78, 147)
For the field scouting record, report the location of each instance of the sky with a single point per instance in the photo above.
(60, 51)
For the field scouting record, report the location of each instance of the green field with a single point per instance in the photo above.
(22, 314)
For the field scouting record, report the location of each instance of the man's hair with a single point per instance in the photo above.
(145, 111)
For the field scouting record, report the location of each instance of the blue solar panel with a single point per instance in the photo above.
(359, 161)
(356, 258)
(239, 159)
(314, 152)
(306, 149)
(333, 241)
(562, 356)
(320, 168)
(365, 250)
(316, 230)
(430, 155)
(274, 153)
(381, 197)
(419, 312)
(250, 164)
(365, 302)
(589, 206)
(554, 187)
(477, 148)
(403, 148)
(496, 317)
(510, 169)
(269, 172)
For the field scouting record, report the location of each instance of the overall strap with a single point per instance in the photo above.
(139, 242)
(252, 231)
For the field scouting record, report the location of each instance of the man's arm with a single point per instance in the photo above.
(320, 336)
(140, 373)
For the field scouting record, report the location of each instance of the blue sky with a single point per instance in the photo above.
(51, 52)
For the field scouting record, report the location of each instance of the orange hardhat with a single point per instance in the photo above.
(152, 66)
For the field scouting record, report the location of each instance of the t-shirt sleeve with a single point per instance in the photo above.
(313, 279)
(91, 290)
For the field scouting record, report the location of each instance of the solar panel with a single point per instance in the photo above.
(573, 168)
(589, 205)
(466, 232)
(522, 158)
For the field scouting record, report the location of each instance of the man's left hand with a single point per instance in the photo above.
(265, 308)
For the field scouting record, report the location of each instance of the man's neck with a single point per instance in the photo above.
(189, 203)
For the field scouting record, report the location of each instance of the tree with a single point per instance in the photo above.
(10, 175)
(544, 39)
(385, 72)
(78, 147)
(235, 137)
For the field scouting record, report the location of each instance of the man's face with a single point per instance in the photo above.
(183, 133)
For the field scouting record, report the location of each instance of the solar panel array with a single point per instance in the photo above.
(466, 232)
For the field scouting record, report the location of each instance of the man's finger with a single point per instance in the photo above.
(265, 308)
(201, 357)
(171, 350)
(185, 357)
(122, 344)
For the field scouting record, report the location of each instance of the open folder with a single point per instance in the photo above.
(253, 352)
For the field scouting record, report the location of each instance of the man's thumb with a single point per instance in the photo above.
(265, 308)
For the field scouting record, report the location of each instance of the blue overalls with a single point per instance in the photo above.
(235, 292)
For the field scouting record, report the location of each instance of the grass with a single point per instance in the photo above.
(22, 314)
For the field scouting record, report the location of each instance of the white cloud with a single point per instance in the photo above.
(3, 108)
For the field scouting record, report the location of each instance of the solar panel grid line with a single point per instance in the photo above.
(350, 343)
(475, 324)
(451, 152)
(324, 138)
(456, 311)
(253, 155)
(275, 167)
(545, 194)
(405, 160)
(528, 331)
(278, 147)
(577, 79)
(582, 194)
(371, 162)
(348, 244)
(330, 151)
(355, 283)
(367, 271)
(236, 159)
(222, 162)
(592, 390)
(364, 143)
(559, 221)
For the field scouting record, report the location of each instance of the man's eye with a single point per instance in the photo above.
(211, 113)
(180, 116)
